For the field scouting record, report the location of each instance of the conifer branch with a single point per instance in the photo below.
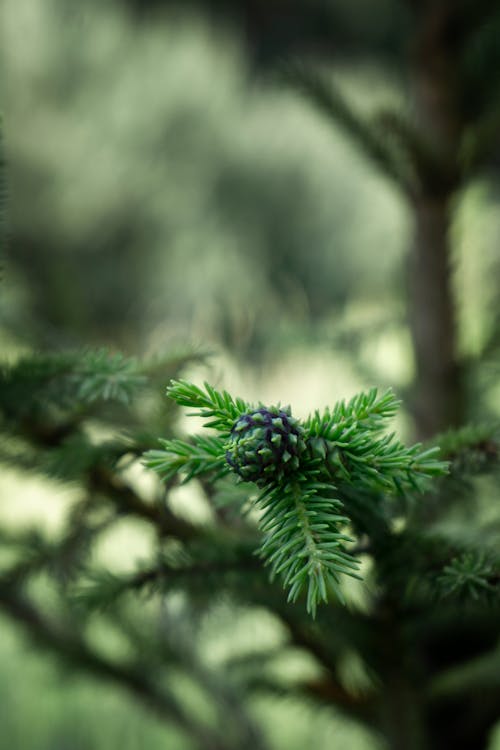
(470, 449)
(211, 403)
(428, 173)
(203, 455)
(298, 468)
(367, 410)
(101, 589)
(127, 501)
(470, 576)
(68, 380)
(72, 648)
(302, 542)
(319, 89)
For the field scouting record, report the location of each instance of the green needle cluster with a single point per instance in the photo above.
(299, 469)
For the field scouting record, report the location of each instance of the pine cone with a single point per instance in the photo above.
(265, 445)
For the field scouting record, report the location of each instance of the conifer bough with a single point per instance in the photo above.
(299, 469)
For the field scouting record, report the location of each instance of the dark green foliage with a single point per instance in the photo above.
(299, 468)
(414, 654)
(471, 575)
(200, 456)
(351, 505)
(63, 416)
(69, 382)
(303, 540)
(210, 403)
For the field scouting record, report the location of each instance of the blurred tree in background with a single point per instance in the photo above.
(133, 162)
(163, 170)
(166, 183)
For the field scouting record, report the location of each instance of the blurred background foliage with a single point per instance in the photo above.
(173, 192)
(164, 186)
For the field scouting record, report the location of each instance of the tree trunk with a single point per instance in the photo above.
(439, 397)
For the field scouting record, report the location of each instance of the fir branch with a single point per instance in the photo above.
(178, 641)
(34, 554)
(63, 557)
(319, 89)
(77, 456)
(428, 172)
(103, 481)
(471, 575)
(302, 541)
(470, 449)
(384, 464)
(346, 441)
(194, 567)
(365, 410)
(204, 455)
(211, 403)
(73, 648)
(101, 376)
(298, 468)
(68, 381)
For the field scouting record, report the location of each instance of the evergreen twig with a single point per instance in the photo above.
(298, 467)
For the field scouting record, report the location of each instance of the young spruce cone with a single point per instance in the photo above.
(265, 445)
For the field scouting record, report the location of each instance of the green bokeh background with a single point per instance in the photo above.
(163, 190)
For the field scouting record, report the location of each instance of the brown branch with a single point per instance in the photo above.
(78, 653)
(127, 501)
(328, 688)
